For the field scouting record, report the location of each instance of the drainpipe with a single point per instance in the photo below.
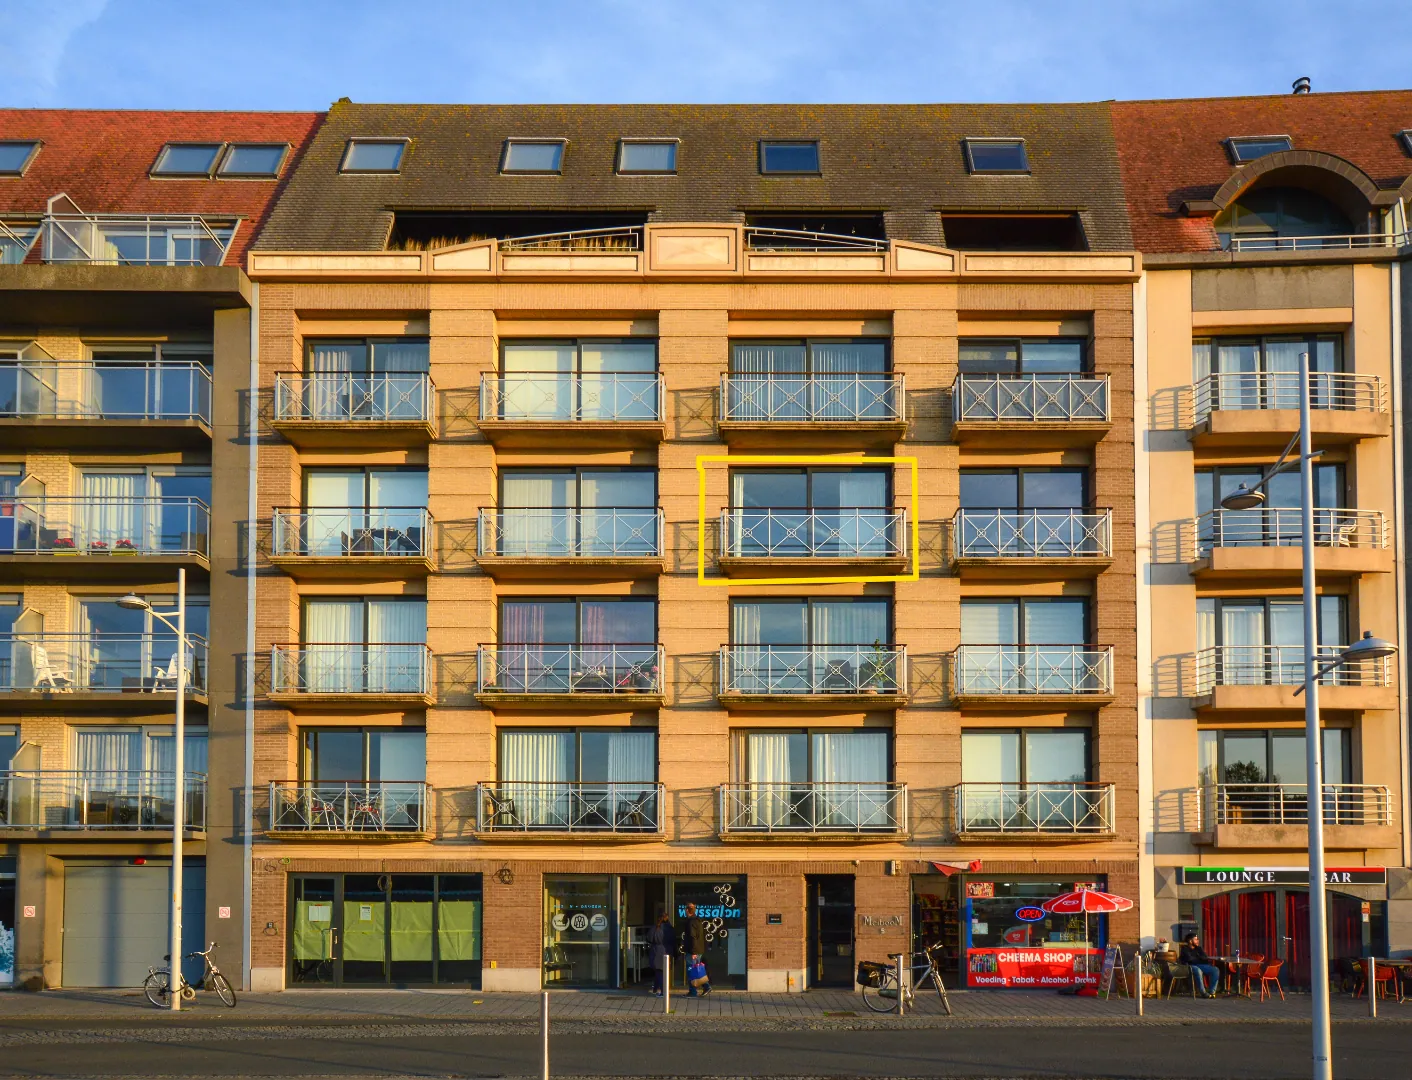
(1401, 495)
(251, 506)
(1147, 915)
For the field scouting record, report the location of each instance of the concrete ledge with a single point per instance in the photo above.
(513, 980)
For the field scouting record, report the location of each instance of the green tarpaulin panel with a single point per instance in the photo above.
(458, 933)
(312, 921)
(364, 930)
(411, 930)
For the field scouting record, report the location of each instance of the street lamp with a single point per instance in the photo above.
(133, 602)
(1250, 497)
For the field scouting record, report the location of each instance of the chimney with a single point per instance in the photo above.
(1301, 85)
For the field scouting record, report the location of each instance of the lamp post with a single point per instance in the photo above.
(1367, 648)
(136, 603)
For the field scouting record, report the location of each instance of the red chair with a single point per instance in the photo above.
(1384, 976)
(1270, 973)
(1246, 971)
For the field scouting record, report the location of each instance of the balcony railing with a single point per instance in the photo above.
(73, 390)
(384, 532)
(601, 532)
(135, 239)
(1345, 241)
(1253, 390)
(787, 533)
(351, 668)
(1288, 804)
(1279, 526)
(98, 663)
(843, 397)
(614, 238)
(1029, 809)
(628, 397)
(821, 669)
(1032, 534)
(570, 669)
(1280, 665)
(342, 397)
(1029, 398)
(533, 806)
(92, 525)
(1022, 670)
(760, 238)
(362, 807)
(98, 800)
(790, 808)
(16, 240)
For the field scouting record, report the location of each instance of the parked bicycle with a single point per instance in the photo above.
(879, 981)
(158, 985)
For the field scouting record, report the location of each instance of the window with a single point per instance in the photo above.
(373, 155)
(799, 513)
(594, 379)
(1257, 756)
(1037, 756)
(371, 356)
(1014, 232)
(9, 746)
(126, 649)
(1249, 147)
(595, 779)
(15, 244)
(1024, 489)
(773, 229)
(812, 647)
(813, 779)
(16, 154)
(1259, 641)
(1026, 622)
(1023, 357)
(579, 622)
(125, 750)
(1263, 373)
(1406, 138)
(533, 156)
(255, 160)
(996, 156)
(577, 646)
(817, 379)
(364, 645)
(810, 489)
(810, 358)
(811, 624)
(187, 159)
(647, 156)
(789, 157)
(379, 378)
(375, 511)
(157, 509)
(1272, 213)
(151, 382)
(589, 511)
(1277, 522)
(357, 755)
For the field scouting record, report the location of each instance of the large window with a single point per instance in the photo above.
(597, 379)
(811, 379)
(363, 755)
(803, 512)
(364, 645)
(1023, 357)
(806, 624)
(1266, 355)
(812, 646)
(128, 775)
(1028, 488)
(1278, 520)
(1028, 645)
(1260, 640)
(569, 511)
(1035, 756)
(160, 508)
(1280, 212)
(1259, 756)
(120, 648)
(1031, 621)
(813, 779)
(590, 779)
(576, 646)
(369, 510)
(378, 378)
(150, 382)
(578, 622)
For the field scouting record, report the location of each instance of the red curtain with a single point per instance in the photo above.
(1296, 969)
(1255, 914)
(1216, 925)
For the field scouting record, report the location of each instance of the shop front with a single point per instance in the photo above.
(7, 923)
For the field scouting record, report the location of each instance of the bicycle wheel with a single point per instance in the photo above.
(883, 997)
(941, 992)
(221, 985)
(158, 989)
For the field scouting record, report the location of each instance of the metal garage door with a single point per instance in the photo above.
(116, 921)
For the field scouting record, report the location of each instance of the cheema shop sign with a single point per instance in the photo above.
(1281, 875)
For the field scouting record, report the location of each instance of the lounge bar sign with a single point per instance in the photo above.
(1281, 875)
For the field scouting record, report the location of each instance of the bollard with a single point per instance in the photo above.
(544, 1032)
(666, 985)
(1372, 969)
(901, 993)
(1138, 978)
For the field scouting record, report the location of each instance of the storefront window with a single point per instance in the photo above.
(7, 929)
(720, 905)
(1010, 941)
(578, 931)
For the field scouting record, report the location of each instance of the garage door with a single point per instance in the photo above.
(116, 921)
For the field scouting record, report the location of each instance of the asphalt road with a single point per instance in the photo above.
(1379, 1051)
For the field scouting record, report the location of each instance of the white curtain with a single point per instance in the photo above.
(404, 356)
(399, 630)
(1242, 634)
(112, 750)
(343, 367)
(538, 382)
(333, 630)
(110, 511)
(768, 763)
(768, 382)
(534, 767)
(535, 514)
(989, 758)
(632, 757)
(854, 758)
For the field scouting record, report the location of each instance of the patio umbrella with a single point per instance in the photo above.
(1086, 900)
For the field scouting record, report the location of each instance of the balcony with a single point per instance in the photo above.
(135, 239)
(528, 809)
(857, 411)
(601, 678)
(383, 542)
(1275, 817)
(1011, 676)
(359, 810)
(91, 538)
(852, 811)
(96, 671)
(1265, 678)
(548, 410)
(824, 677)
(340, 408)
(1266, 543)
(92, 802)
(1339, 242)
(1261, 408)
(1032, 812)
(566, 543)
(616, 249)
(79, 405)
(1022, 411)
(799, 250)
(782, 539)
(351, 673)
(1031, 543)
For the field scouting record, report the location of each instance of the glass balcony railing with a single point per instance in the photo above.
(1061, 808)
(1254, 390)
(787, 533)
(89, 525)
(384, 532)
(548, 397)
(995, 398)
(533, 806)
(73, 390)
(820, 669)
(833, 398)
(1279, 526)
(135, 239)
(342, 397)
(803, 808)
(98, 800)
(1281, 665)
(600, 532)
(351, 668)
(98, 663)
(1288, 804)
(1032, 534)
(569, 669)
(993, 670)
(361, 807)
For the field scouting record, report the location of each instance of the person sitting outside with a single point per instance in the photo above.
(1204, 973)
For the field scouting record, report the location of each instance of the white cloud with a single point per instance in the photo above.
(36, 34)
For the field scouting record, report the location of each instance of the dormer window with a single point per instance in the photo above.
(1405, 137)
(373, 155)
(16, 154)
(187, 159)
(789, 157)
(256, 161)
(647, 156)
(533, 156)
(1249, 147)
(996, 157)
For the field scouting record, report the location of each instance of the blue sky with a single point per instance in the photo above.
(303, 54)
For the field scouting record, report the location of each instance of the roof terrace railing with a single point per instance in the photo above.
(1353, 241)
(760, 238)
(614, 238)
(135, 239)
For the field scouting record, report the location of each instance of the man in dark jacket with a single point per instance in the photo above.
(1203, 971)
(691, 941)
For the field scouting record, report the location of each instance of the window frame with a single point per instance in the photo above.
(809, 472)
(740, 749)
(35, 145)
(156, 172)
(761, 150)
(1218, 627)
(1021, 603)
(578, 602)
(1345, 736)
(1210, 476)
(345, 169)
(578, 343)
(576, 471)
(367, 471)
(224, 170)
(1020, 472)
(808, 602)
(1262, 342)
(307, 752)
(314, 598)
(1085, 345)
(527, 140)
(578, 733)
(1235, 142)
(626, 141)
(368, 343)
(996, 140)
(146, 732)
(1022, 731)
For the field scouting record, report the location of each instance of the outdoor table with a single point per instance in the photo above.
(1235, 970)
(1403, 974)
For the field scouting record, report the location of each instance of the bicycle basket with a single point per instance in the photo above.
(871, 973)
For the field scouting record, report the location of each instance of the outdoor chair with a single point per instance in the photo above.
(1383, 976)
(1270, 973)
(47, 675)
(1175, 973)
(1343, 973)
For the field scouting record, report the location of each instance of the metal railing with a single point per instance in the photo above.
(569, 669)
(1028, 398)
(1317, 243)
(848, 807)
(384, 532)
(1281, 665)
(351, 668)
(83, 390)
(16, 240)
(761, 238)
(358, 806)
(343, 397)
(821, 669)
(600, 532)
(834, 398)
(1288, 804)
(1072, 808)
(135, 239)
(1032, 669)
(98, 800)
(529, 806)
(1251, 390)
(1281, 526)
(1031, 534)
(633, 397)
(787, 533)
(608, 240)
(98, 663)
(93, 525)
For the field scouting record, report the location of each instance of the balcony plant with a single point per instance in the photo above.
(124, 547)
(875, 675)
(64, 545)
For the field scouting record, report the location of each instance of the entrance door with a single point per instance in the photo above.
(830, 930)
(640, 901)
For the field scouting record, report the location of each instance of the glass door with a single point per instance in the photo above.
(578, 932)
(830, 902)
(720, 905)
(314, 940)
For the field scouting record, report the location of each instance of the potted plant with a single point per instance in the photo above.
(876, 673)
(124, 547)
(64, 545)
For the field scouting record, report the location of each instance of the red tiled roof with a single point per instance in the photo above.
(101, 160)
(1174, 151)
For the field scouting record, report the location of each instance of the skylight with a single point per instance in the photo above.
(1406, 137)
(187, 159)
(1249, 147)
(533, 156)
(261, 160)
(15, 156)
(373, 155)
(997, 156)
(647, 156)
(789, 156)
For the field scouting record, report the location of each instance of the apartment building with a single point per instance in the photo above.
(124, 359)
(728, 506)
(1271, 228)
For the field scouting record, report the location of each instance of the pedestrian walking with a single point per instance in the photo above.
(662, 940)
(691, 941)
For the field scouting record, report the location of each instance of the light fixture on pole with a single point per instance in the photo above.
(133, 602)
